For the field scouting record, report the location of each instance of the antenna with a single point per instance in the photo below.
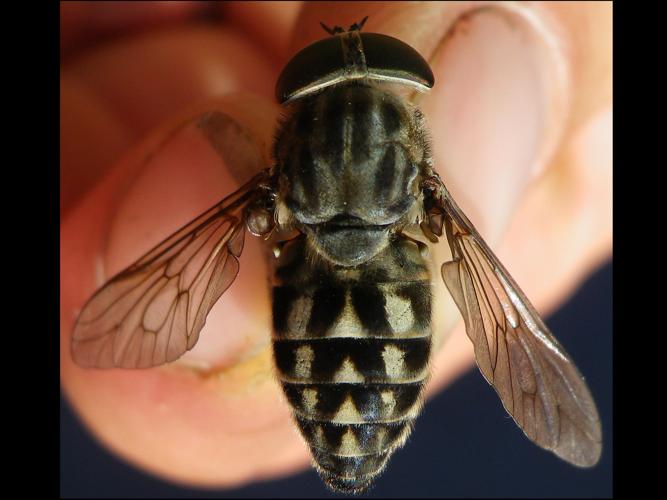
(337, 29)
(359, 25)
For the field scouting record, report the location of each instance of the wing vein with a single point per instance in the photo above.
(164, 297)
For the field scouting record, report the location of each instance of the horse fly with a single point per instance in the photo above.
(352, 178)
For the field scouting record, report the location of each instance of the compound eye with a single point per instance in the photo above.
(310, 69)
(349, 56)
(390, 59)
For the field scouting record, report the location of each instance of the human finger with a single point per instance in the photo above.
(269, 23)
(83, 23)
(131, 205)
(115, 93)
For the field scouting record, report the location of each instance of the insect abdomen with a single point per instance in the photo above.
(351, 347)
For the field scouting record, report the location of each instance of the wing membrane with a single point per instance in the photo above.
(538, 383)
(152, 312)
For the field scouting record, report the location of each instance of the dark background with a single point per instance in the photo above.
(464, 444)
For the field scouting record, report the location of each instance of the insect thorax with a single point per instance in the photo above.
(349, 161)
(351, 347)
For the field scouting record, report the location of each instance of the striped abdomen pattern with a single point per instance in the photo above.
(351, 346)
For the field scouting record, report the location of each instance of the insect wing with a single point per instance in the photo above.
(152, 312)
(538, 383)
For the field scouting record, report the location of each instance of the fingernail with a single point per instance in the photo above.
(499, 106)
(184, 174)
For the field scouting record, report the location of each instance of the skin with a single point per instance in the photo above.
(528, 161)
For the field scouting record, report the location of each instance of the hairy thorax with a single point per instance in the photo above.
(349, 165)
